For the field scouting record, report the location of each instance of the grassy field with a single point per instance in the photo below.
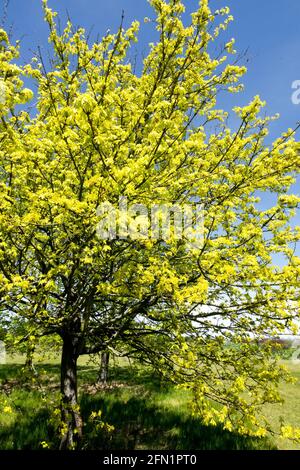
(144, 413)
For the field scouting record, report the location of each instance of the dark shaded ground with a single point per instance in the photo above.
(136, 404)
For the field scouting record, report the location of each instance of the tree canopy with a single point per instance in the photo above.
(102, 131)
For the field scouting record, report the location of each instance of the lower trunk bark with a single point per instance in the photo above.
(71, 418)
(103, 372)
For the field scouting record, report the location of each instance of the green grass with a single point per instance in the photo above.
(290, 410)
(145, 414)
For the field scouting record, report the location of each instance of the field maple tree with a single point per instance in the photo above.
(101, 131)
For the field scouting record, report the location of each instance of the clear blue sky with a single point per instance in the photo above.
(268, 29)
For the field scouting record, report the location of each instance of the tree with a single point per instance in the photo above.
(103, 132)
(104, 368)
(22, 337)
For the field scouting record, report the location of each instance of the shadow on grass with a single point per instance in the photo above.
(132, 375)
(28, 432)
(139, 425)
(140, 421)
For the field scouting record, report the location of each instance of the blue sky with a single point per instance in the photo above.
(268, 30)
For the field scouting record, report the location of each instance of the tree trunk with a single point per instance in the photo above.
(71, 418)
(29, 359)
(103, 372)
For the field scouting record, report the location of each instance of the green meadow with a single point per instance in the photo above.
(134, 411)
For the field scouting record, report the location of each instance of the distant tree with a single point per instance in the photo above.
(104, 368)
(103, 130)
(21, 337)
